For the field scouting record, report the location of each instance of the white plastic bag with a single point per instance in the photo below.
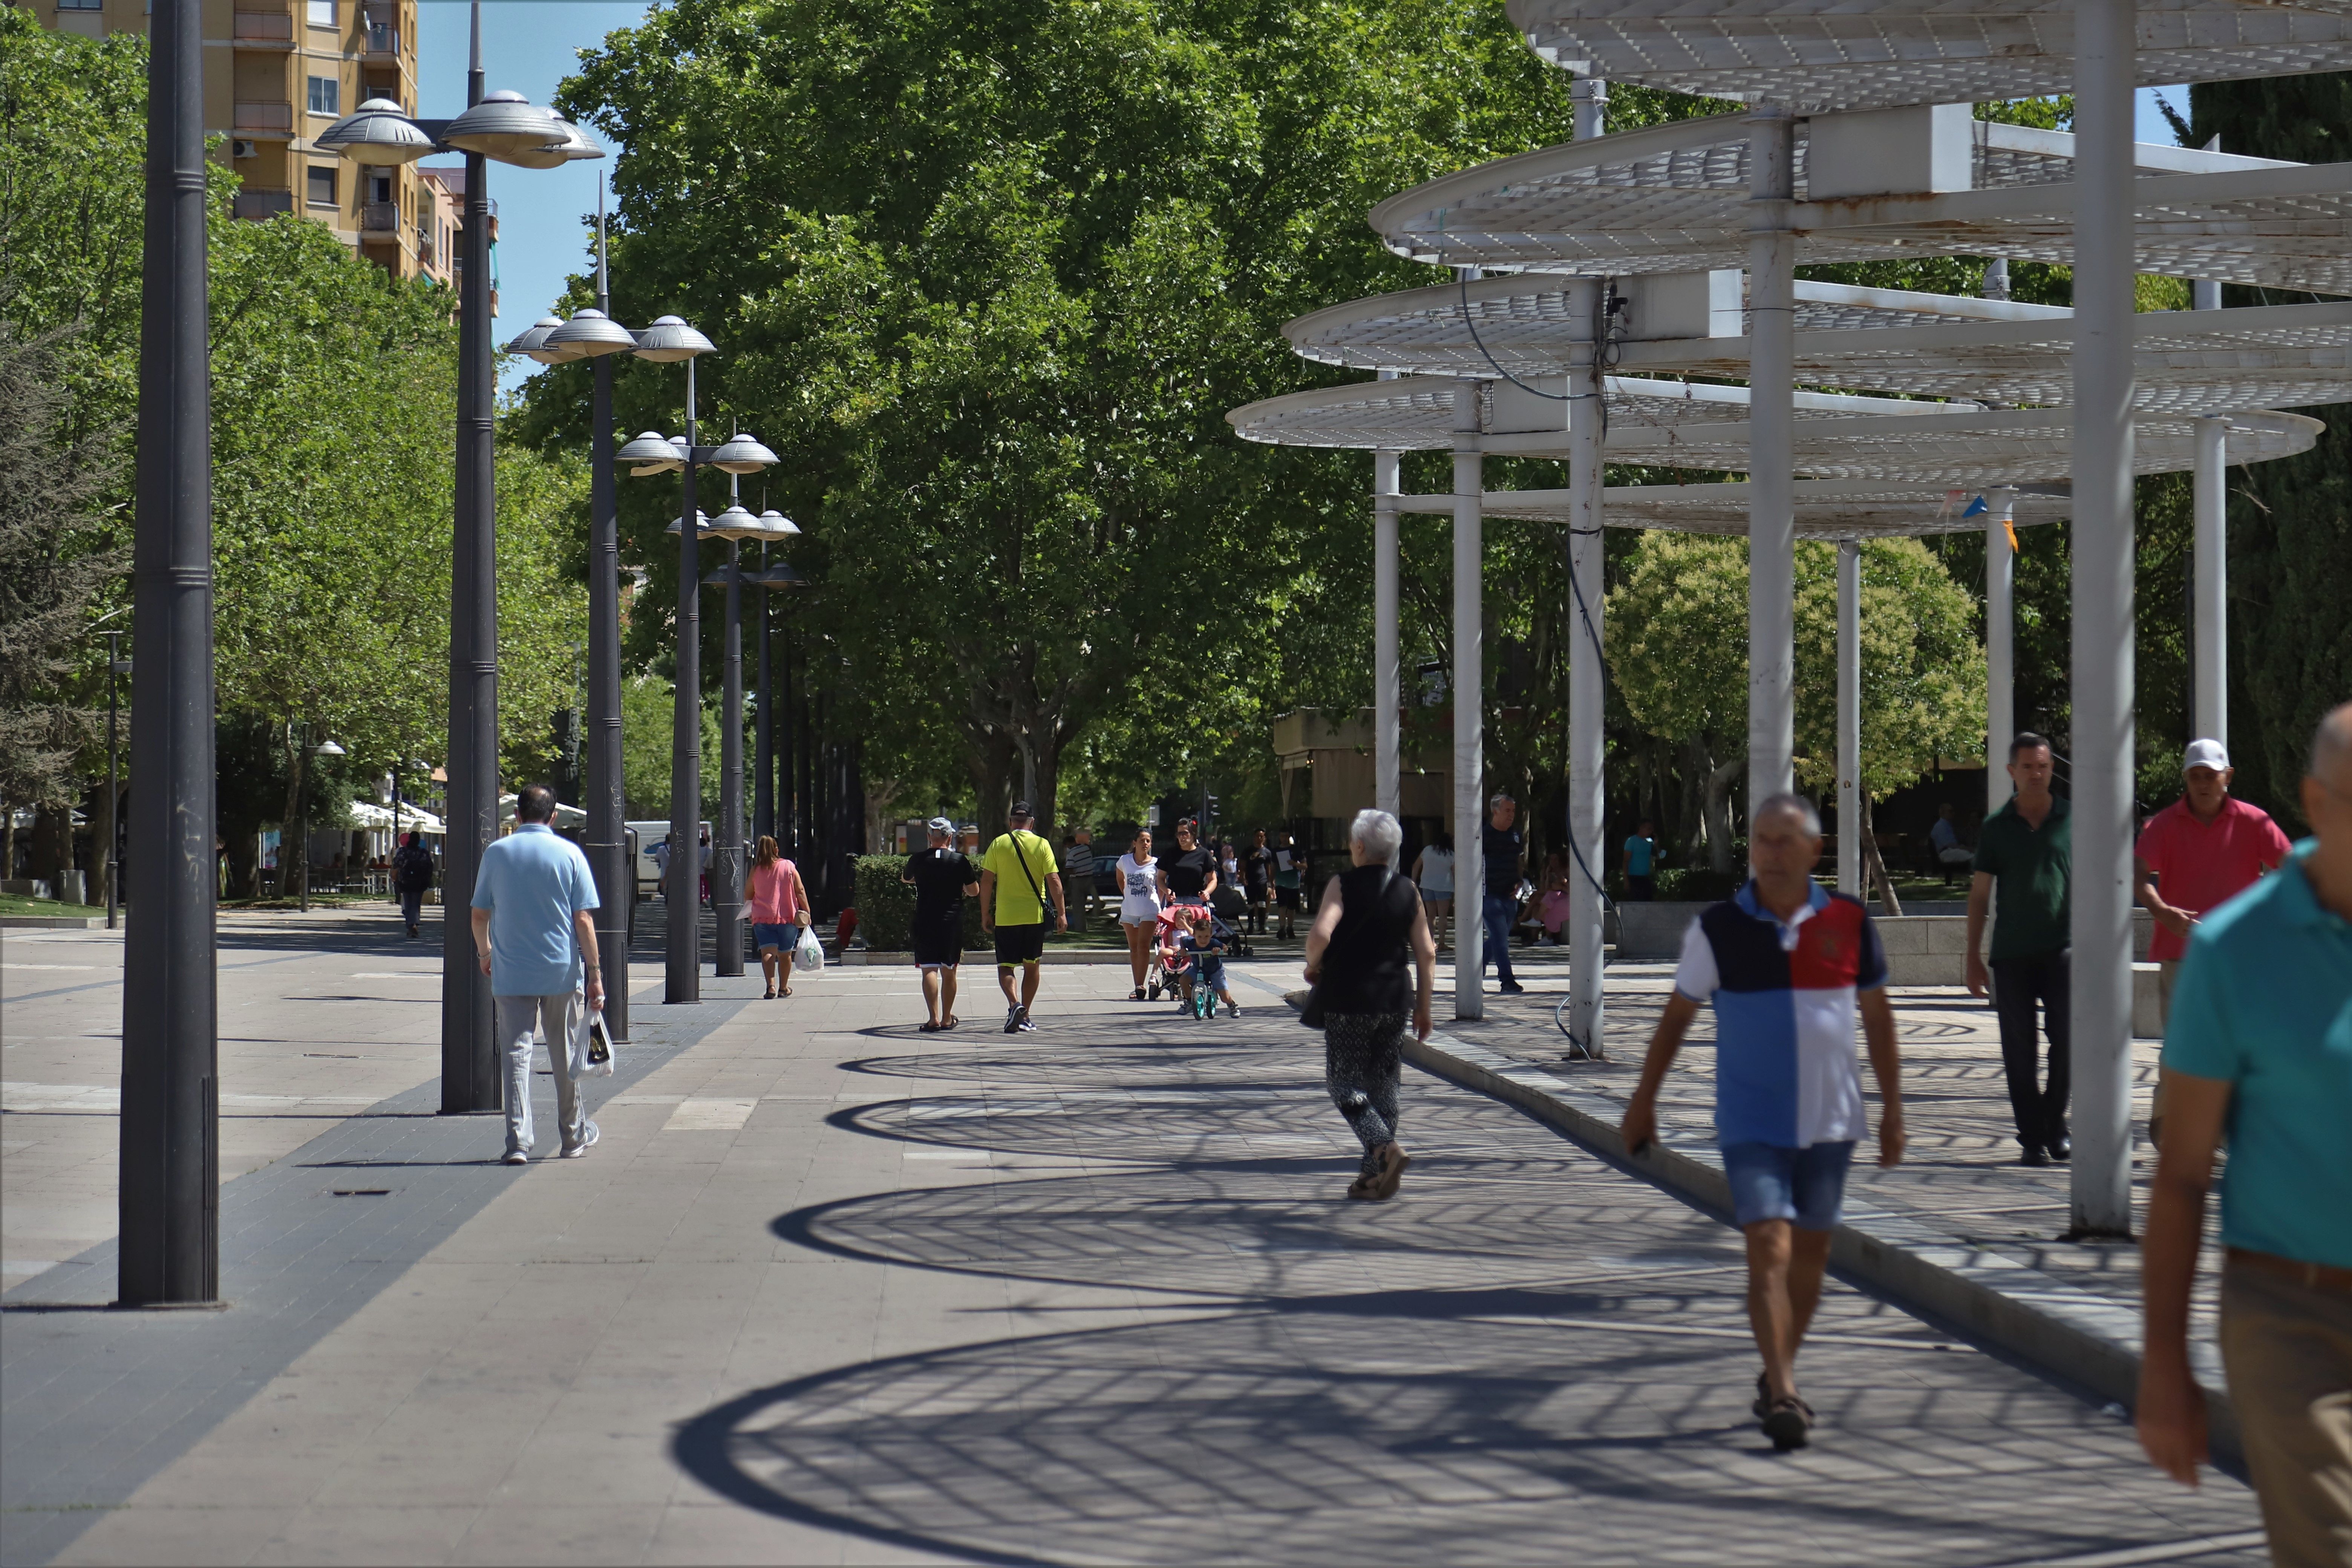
(591, 1047)
(809, 956)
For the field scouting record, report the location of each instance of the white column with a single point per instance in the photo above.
(1849, 716)
(1469, 698)
(1771, 413)
(2000, 651)
(2208, 710)
(2209, 714)
(1388, 790)
(2103, 736)
(1588, 683)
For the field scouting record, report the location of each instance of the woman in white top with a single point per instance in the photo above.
(1433, 869)
(1139, 905)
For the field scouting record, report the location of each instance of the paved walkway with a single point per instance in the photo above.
(833, 1291)
(1961, 1173)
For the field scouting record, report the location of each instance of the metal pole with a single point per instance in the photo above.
(113, 773)
(470, 1081)
(682, 974)
(1388, 785)
(788, 778)
(608, 834)
(1772, 473)
(727, 837)
(1469, 696)
(169, 1183)
(1849, 716)
(2000, 654)
(303, 819)
(1588, 681)
(2103, 734)
(764, 747)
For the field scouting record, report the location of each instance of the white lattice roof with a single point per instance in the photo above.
(1833, 53)
(1675, 198)
(1869, 340)
(1666, 424)
(1826, 509)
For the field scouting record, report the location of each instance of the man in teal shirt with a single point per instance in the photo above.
(2260, 1045)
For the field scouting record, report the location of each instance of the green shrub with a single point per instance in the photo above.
(886, 906)
(1695, 884)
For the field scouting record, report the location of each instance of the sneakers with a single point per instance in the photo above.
(2035, 1155)
(589, 1133)
(1232, 1010)
(1513, 988)
(516, 1157)
(1025, 1023)
(1013, 1019)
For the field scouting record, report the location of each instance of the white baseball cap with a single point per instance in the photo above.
(2206, 754)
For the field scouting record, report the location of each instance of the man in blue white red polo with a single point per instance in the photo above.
(1787, 965)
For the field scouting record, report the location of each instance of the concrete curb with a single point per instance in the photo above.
(52, 923)
(985, 958)
(2088, 1339)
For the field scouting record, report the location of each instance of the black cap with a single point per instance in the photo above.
(1020, 811)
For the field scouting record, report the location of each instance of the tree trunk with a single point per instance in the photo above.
(1719, 780)
(289, 831)
(101, 810)
(245, 865)
(52, 846)
(1874, 866)
(7, 840)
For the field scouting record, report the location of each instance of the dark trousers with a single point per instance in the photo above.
(411, 902)
(2017, 984)
(1640, 889)
(1501, 913)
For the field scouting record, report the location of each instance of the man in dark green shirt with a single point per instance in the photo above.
(2022, 871)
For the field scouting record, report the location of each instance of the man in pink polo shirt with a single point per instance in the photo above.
(2193, 857)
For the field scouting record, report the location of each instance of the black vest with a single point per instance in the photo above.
(1367, 968)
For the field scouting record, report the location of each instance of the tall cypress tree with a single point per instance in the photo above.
(2290, 522)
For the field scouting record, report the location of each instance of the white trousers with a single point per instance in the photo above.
(554, 1019)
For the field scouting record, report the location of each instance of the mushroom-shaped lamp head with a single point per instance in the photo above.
(509, 128)
(378, 132)
(742, 455)
(591, 332)
(669, 339)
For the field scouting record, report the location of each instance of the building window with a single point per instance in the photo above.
(81, 5)
(322, 188)
(323, 13)
(379, 187)
(326, 95)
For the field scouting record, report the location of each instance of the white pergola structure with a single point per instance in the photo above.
(1859, 144)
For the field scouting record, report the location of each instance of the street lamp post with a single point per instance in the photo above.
(168, 1185)
(505, 128)
(670, 339)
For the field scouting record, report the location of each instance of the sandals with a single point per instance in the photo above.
(1363, 1187)
(1136, 995)
(1391, 1173)
(1789, 1423)
(769, 994)
(927, 1027)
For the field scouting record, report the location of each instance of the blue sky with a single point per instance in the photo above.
(529, 46)
(532, 46)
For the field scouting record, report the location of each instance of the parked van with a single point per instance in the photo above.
(649, 834)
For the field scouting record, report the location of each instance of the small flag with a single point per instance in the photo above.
(2010, 529)
(1977, 508)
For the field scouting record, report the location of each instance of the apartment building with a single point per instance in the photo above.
(278, 72)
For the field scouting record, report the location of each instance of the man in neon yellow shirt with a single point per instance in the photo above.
(1015, 877)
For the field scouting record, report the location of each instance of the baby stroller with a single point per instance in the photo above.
(1229, 906)
(1167, 978)
(1203, 971)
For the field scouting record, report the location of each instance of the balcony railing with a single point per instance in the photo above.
(383, 44)
(259, 204)
(264, 117)
(380, 217)
(262, 29)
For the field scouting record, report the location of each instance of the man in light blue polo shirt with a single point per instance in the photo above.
(533, 926)
(2260, 1044)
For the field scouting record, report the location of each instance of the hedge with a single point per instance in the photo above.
(886, 906)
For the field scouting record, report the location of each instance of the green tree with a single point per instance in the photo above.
(1677, 637)
(1014, 261)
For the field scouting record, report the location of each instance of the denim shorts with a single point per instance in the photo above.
(1806, 1186)
(765, 936)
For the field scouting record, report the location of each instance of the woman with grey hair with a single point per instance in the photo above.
(1356, 960)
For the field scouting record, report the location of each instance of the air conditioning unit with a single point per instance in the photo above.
(239, 147)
